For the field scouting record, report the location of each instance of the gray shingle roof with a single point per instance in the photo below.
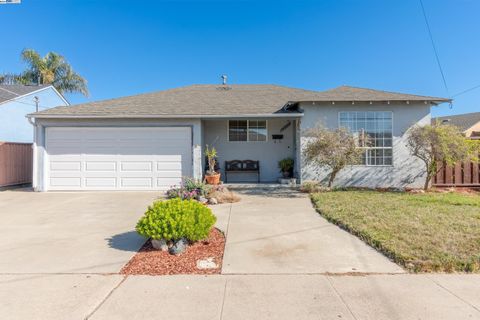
(462, 121)
(12, 91)
(209, 100)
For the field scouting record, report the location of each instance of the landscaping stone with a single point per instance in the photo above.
(160, 244)
(206, 264)
(178, 247)
(212, 201)
(203, 199)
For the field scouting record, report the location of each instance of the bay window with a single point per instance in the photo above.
(373, 130)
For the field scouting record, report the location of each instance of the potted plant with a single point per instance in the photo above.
(286, 167)
(211, 176)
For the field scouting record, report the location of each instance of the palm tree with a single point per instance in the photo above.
(51, 69)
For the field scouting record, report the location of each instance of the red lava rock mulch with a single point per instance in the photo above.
(149, 261)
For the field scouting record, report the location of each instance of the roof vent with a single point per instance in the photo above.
(224, 79)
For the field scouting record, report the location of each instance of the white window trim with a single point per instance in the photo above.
(248, 129)
(370, 148)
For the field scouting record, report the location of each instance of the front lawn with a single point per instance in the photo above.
(422, 232)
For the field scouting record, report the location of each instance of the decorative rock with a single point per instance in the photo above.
(212, 201)
(203, 199)
(178, 247)
(206, 264)
(160, 244)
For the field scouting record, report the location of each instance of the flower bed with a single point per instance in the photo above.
(149, 261)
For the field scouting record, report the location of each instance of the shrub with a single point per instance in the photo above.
(200, 187)
(438, 142)
(175, 219)
(332, 149)
(181, 193)
(286, 164)
(189, 189)
(310, 186)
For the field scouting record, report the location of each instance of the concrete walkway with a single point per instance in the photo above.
(280, 233)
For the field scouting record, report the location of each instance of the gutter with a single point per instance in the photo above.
(136, 116)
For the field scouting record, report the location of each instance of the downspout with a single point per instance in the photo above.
(34, 152)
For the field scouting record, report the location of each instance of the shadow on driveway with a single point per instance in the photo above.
(126, 241)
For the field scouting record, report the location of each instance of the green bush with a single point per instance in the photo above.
(175, 218)
(310, 186)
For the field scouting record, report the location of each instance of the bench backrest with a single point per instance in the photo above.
(242, 165)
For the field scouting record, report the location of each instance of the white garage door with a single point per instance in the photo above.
(117, 158)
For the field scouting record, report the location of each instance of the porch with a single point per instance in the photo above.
(267, 140)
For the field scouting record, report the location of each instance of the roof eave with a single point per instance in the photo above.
(433, 101)
(137, 116)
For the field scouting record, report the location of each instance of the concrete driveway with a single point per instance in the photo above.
(279, 232)
(61, 252)
(69, 232)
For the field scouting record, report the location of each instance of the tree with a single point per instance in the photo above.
(333, 149)
(438, 142)
(51, 69)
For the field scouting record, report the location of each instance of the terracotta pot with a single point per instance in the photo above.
(213, 179)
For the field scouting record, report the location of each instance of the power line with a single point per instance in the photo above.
(26, 103)
(465, 91)
(434, 47)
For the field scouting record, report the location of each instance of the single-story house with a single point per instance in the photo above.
(16, 101)
(468, 123)
(149, 141)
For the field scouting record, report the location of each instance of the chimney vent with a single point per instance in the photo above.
(224, 79)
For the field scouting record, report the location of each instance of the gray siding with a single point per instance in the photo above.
(407, 171)
(268, 153)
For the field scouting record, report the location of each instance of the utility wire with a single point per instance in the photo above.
(465, 91)
(434, 47)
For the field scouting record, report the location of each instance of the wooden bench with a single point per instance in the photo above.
(242, 166)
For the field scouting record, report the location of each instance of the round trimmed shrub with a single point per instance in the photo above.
(175, 218)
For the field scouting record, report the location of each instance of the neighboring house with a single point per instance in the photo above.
(149, 141)
(468, 123)
(16, 101)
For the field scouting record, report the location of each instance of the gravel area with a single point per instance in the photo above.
(149, 261)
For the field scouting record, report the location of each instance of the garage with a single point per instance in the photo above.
(117, 158)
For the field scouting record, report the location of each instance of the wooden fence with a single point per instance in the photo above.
(464, 174)
(15, 163)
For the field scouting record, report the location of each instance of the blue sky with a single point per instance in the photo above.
(130, 47)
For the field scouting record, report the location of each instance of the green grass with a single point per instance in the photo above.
(433, 232)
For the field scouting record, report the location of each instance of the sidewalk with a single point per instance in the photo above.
(243, 297)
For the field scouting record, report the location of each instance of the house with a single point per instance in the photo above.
(16, 101)
(149, 141)
(468, 123)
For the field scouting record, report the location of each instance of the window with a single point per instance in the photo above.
(247, 130)
(374, 132)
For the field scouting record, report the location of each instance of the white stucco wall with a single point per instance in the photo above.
(406, 171)
(267, 152)
(42, 124)
(474, 128)
(14, 126)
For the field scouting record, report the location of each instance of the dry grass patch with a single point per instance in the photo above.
(431, 232)
(223, 195)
